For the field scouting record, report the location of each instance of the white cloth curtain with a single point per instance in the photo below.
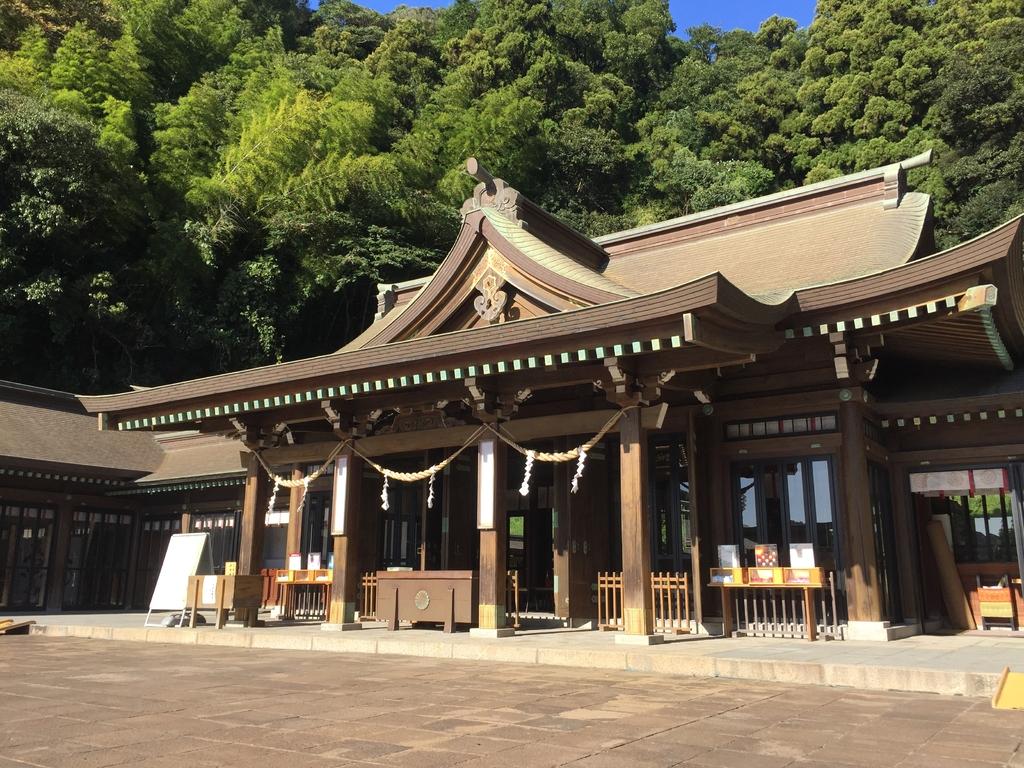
(960, 482)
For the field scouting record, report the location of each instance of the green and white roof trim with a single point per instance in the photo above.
(979, 299)
(962, 417)
(194, 485)
(392, 383)
(33, 474)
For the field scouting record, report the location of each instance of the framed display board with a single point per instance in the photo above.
(188, 554)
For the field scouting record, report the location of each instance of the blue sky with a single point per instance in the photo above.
(728, 14)
(747, 14)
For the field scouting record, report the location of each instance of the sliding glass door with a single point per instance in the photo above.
(785, 502)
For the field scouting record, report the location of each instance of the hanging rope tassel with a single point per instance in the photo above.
(579, 470)
(384, 496)
(524, 489)
(305, 490)
(273, 498)
(430, 491)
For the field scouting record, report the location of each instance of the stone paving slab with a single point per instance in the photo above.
(68, 703)
(964, 665)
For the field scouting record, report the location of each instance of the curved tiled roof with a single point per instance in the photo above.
(45, 427)
(773, 259)
(546, 256)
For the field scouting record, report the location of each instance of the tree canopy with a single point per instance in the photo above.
(193, 186)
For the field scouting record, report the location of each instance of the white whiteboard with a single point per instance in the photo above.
(188, 554)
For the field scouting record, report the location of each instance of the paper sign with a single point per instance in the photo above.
(209, 590)
(295, 561)
(801, 555)
(728, 556)
(313, 561)
(766, 555)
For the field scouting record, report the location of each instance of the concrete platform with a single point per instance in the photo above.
(964, 665)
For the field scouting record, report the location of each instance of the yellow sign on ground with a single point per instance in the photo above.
(1009, 691)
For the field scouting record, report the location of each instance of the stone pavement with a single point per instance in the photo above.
(966, 665)
(76, 703)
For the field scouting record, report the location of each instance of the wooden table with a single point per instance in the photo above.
(232, 593)
(319, 581)
(814, 580)
(444, 597)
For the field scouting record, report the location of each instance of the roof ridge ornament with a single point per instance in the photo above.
(491, 192)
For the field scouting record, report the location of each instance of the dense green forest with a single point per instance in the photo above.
(194, 186)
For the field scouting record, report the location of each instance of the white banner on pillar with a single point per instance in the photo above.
(338, 506)
(486, 482)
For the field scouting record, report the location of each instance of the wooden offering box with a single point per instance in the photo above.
(764, 576)
(804, 577)
(321, 575)
(444, 597)
(728, 577)
(223, 594)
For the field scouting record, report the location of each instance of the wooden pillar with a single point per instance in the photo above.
(493, 524)
(296, 510)
(346, 579)
(561, 525)
(862, 587)
(637, 608)
(424, 538)
(64, 523)
(694, 465)
(254, 518)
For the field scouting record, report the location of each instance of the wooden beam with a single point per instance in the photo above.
(346, 583)
(694, 463)
(862, 583)
(707, 333)
(637, 606)
(296, 511)
(254, 511)
(494, 542)
(521, 430)
(483, 402)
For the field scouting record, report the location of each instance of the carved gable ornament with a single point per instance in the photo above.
(491, 302)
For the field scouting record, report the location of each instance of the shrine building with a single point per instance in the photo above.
(553, 418)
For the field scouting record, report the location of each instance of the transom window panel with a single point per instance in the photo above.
(982, 526)
(782, 425)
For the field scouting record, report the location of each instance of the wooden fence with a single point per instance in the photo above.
(368, 604)
(512, 599)
(670, 596)
(609, 601)
(670, 599)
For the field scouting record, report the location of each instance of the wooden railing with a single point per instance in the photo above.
(368, 606)
(308, 602)
(670, 598)
(609, 601)
(670, 595)
(767, 612)
(512, 599)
